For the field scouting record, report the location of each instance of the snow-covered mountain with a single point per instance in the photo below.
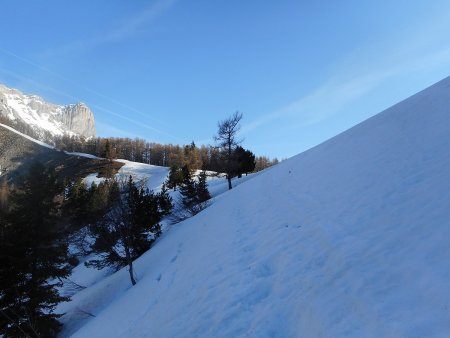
(348, 239)
(42, 116)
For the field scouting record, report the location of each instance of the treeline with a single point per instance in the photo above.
(165, 155)
(205, 157)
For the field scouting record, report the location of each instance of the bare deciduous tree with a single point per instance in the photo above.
(226, 140)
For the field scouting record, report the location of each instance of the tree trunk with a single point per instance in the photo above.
(130, 269)
(130, 265)
(230, 145)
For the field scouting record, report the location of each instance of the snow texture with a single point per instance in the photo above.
(89, 298)
(348, 239)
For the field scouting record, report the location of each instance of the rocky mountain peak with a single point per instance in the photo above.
(43, 116)
(79, 119)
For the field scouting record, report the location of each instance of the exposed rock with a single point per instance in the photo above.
(79, 119)
(42, 116)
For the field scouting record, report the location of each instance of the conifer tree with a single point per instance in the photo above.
(129, 226)
(245, 160)
(33, 258)
(77, 204)
(175, 177)
(194, 195)
(188, 190)
(202, 192)
(165, 202)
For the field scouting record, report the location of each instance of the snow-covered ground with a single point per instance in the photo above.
(83, 155)
(349, 239)
(92, 298)
(153, 177)
(93, 178)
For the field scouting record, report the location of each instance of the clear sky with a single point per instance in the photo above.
(168, 70)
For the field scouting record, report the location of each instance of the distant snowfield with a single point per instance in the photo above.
(348, 239)
(83, 155)
(20, 104)
(153, 177)
(149, 175)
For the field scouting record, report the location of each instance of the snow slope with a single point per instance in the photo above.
(153, 177)
(93, 298)
(349, 239)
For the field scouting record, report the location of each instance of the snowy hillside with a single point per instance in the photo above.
(42, 116)
(95, 296)
(154, 176)
(26, 136)
(349, 239)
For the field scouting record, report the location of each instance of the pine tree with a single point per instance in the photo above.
(165, 202)
(188, 190)
(194, 195)
(129, 226)
(245, 160)
(33, 258)
(175, 177)
(201, 188)
(76, 206)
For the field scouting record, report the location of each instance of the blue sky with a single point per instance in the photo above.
(168, 70)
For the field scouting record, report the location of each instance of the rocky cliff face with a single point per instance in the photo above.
(79, 119)
(42, 116)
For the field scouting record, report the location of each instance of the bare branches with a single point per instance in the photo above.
(227, 130)
(226, 139)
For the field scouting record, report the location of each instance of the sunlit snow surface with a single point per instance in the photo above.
(82, 155)
(20, 104)
(92, 299)
(349, 239)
